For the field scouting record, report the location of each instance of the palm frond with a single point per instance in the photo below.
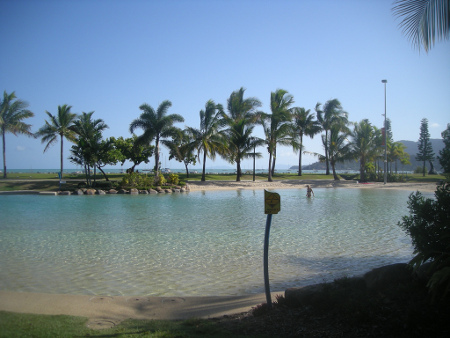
(424, 21)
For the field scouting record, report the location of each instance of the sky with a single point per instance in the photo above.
(112, 56)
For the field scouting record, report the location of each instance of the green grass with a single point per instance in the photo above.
(50, 182)
(31, 325)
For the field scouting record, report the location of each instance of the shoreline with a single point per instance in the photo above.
(301, 184)
(108, 311)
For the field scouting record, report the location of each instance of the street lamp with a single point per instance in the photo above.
(385, 134)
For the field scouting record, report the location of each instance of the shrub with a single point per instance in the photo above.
(173, 179)
(135, 180)
(160, 180)
(429, 227)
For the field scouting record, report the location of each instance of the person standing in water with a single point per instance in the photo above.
(309, 191)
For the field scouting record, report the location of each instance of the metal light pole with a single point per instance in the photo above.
(385, 134)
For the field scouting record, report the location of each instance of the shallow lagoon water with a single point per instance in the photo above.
(197, 243)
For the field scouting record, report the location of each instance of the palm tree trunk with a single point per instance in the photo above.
(204, 167)
(362, 174)
(4, 152)
(156, 156)
(62, 145)
(238, 174)
(327, 162)
(270, 168)
(300, 156)
(274, 160)
(335, 176)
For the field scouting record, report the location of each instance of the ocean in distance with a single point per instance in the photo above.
(180, 171)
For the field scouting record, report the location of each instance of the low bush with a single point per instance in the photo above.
(136, 180)
(160, 180)
(173, 179)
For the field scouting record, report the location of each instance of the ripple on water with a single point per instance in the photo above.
(201, 243)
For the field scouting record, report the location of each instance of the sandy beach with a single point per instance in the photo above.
(301, 184)
(105, 311)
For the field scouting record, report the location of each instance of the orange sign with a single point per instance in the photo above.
(272, 203)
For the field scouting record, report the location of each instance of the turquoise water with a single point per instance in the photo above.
(200, 243)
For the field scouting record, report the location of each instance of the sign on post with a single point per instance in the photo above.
(272, 203)
(272, 206)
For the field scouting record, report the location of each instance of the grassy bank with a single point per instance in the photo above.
(344, 308)
(31, 325)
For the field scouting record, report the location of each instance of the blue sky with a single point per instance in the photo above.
(112, 56)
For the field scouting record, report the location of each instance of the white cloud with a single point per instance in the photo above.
(435, 125)
(20, 148)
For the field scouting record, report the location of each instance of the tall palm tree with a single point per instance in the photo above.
(303, 125)
(423, 21)
(156, 125)
(240, 121)
(330, 114)
(12, 113)
(59, 125)
(208, 139)
(277, 126)
(364, 145)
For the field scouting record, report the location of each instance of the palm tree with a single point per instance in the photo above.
(397, 153)
(277, 126)
(156, 125)
(89, 137)
(303, 125)
(240, 144)
(59, 125)
(208, 139)
(240, 120)
(364, 145)
(331, 113)
(339, 148)
(12, 113)
(181, 148)
(424, 20)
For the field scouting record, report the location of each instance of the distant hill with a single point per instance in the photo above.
(411, 149)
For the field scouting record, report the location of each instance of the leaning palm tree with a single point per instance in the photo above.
(303, 125)
(277, 126)
(12, 112)
(156, 126)
(240, 121)
(339, 147)
(59, 125)
(330, 114)
(424, 21)
(209, 139)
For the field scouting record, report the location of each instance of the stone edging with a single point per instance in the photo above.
(84, 191)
